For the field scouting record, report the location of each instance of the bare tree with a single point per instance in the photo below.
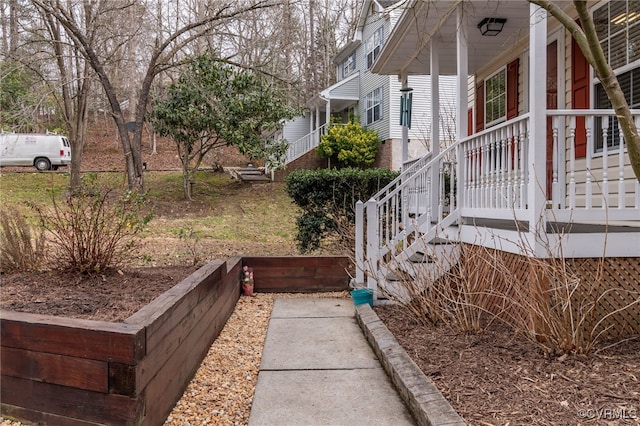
(587, 38)
(74, 90)
(170, 43)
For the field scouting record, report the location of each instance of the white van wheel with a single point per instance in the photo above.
(42, 164)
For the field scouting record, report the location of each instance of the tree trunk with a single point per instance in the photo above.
(186, 179)
(612, 87)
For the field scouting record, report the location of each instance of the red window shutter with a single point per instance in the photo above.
(579, 94)
(470, 121)
(512, 88)
(480, 107)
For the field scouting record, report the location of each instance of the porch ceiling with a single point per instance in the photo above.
(407, 49)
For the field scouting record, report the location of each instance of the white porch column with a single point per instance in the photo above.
(328, 112)
(404, 82)
(536, 163)
(462, 97)
(435, 98)
(317, 118)
(435, 128)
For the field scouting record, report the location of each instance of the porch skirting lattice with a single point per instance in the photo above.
(602, 291)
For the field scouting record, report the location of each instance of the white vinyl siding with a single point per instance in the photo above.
(296, 128)
(420, 132)
(369, 81)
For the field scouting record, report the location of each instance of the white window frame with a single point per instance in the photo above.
(373, 101)
(496, 120)
(620, 70)
(349, 65)
(373, 46)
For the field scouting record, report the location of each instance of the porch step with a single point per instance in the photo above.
(420, 268)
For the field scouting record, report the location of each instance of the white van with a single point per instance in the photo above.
(44, 152)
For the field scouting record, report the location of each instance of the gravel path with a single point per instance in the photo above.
(221, 392)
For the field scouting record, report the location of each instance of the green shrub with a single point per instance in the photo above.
(350, 144)
(93, 230)
(21, 249)
(327, 199)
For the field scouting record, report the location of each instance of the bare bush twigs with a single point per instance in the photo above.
(559, 304)
(22, 248)
(442, 289)
(93, 230)
(190, 238)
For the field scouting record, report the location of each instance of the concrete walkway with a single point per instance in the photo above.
(318, 369)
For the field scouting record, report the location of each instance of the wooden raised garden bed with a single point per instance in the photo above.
(57, 370)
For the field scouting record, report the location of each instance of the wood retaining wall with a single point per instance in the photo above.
(65, 371)
(299, 274)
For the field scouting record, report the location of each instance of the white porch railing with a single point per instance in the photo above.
(410, 206)
(599, 185)
(305, 144)
(581, 181)
(487, 176)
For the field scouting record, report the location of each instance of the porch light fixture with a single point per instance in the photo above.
(491, 26)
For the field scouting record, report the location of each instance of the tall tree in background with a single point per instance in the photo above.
(587, 38)
(74, 90)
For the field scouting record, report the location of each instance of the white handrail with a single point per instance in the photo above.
(489, 178)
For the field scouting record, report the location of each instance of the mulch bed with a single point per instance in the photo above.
(110, 296)
(498, 378)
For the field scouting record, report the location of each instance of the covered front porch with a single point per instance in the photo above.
(542, 181)
(338, 100)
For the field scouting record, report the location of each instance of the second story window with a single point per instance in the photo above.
(374, 106)
(349, 65)
(373, 46)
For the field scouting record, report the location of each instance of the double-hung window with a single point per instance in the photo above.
(374, 105)
(495, 98)
(373, 46)
(618, 28)
(349, 65)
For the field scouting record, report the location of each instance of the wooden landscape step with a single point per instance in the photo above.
(254, 178)
(248, 174)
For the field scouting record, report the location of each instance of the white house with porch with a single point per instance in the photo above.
(541, 176)
(374, 99)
